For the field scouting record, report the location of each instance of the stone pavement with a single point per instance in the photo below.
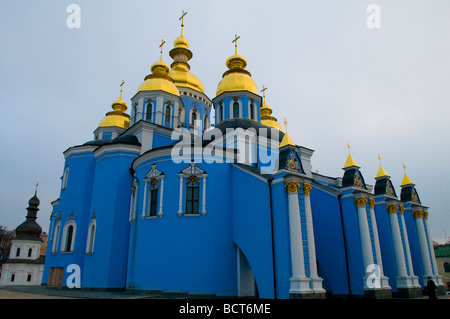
(42, 292)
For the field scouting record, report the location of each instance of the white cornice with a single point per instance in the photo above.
(81, 149)
(109, 148)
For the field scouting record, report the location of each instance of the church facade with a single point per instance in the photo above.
(167, 199)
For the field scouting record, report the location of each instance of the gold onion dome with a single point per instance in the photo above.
(159, 79)
(118, 117)
(266, 111)
(236, 78)
(180, 67)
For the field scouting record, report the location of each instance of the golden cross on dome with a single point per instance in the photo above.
(182, 20)
(285, 122)
(264, 92)
(161, 46)
(121, 87)
(236, 37)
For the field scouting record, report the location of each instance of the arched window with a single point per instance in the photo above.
(65, 177)
(68, 237)
(91, 238)
(219, 113)
(252, 111)
(446, 267)
(167, 116)
(18, 252)
(56, 237)
(205, 123)
(193, 117)
(30, 251)
(148, 110)
(236, 110)
(29, 277)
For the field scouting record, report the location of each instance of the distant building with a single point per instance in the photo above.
(443, 262)
(25, 264)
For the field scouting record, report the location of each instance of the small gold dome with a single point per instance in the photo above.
(267, 119)
(181, 42)
(236, 78)
(117, 117)
(159, 80)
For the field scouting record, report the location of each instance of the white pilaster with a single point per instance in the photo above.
(423, 244)
(364, 235)
(316, 281)
(299, 283)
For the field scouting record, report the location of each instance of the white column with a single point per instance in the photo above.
(398, 247)
(316, 281)
(143, 203)
(430, 245)
(180, 202)
(364, 234)
(204, 197)
(414, 278)
(160, 213)
(384, 279)
(299, 283)
(423, 244)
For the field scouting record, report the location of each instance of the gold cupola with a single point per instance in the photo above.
(381, 172)
(180, 67)
(266, 111)
(118, 117)
(406, 180)
(236, 78)
(159, 79)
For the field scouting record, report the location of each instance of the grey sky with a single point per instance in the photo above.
(385, 91)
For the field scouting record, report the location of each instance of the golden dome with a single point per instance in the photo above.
(180, 66)
(266, 111)
(181, 42)
(117, 117)
(236, 78)
(159, 80)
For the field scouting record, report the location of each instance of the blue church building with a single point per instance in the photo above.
(169, 198)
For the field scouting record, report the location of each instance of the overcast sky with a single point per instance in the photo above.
(384, 90)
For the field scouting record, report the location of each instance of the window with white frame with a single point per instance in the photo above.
(68, 236)
(193, 190)
(65, 177)
(91, 237)
(56, 236)
(153, 193)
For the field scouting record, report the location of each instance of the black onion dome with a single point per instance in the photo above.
(30, 229)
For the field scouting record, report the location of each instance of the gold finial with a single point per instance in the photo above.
(182, 21)
(379, 158)
(381, 172)
(236, 37)
(348, 146)
(264, 94)
(404, 168)
(161, 46)
(285, 122)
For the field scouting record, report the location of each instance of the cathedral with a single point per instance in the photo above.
(212, 197)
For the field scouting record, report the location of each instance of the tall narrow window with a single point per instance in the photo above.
(91, 238)
(56, 237)
(134, 112)
(18, 252)
(167, 116)
(29, 277)
(148, 111)
(219, 113)
(193, 117)
(69, 237)
(236, 110)
(192, 200)
(30, 251)
(153, 202)
(252, 110)
(65, 177)
(205, 123)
